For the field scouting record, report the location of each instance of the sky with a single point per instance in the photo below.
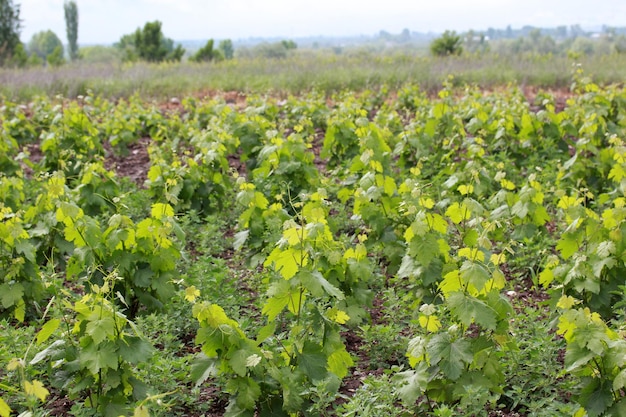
(105, 21)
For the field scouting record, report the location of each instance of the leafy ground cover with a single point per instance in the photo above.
(380, 253)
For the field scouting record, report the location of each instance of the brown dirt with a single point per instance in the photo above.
(135, 165)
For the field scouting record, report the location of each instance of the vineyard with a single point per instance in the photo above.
(382, 253)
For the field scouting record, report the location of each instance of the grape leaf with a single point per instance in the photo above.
(47, 330)
(469, 309)
(412, 383)
(339, 362)
(449, 355)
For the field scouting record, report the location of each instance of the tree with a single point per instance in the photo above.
(44, 43)
(204, 54)
(226, 46)
(149, 44)
(71, 26)
(55, 58)
(447, 44)
(10, 26)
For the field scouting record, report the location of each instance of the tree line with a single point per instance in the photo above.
(45, 47)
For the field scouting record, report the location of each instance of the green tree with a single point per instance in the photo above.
(149, 44)
(19, 58)
(447, 44)
(55, 58)
(44, 43)
(204, 54)
(226, 46)
(71, 26)
(10, 26)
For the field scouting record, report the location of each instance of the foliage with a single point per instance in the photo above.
(10, 26)
(55, 58)
(440, 250)
(149, 44)
(71, 25)
(206, 53)
(449, 43)
(226, 46)
(99, 54)
(95, 357)
(44, 44)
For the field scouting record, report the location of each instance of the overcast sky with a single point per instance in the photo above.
(105, 21)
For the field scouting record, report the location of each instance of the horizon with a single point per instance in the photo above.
(240, 20)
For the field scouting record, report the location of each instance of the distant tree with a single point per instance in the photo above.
(149, 44)
(204, 54)
(44, 43)
(289, 44)
(19, 58)
(10, 26)
(55, 58)
(447, 44)
(71, 26)
(226, 46)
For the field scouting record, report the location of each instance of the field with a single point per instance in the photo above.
(397, 251)
(307, 70)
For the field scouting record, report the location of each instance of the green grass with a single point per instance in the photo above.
(307, 70)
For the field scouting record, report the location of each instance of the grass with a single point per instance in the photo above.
(302, 72)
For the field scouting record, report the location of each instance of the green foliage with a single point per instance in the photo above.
(205, 54)
(10, 26)
(449, 43)
(45, 43)
(70, 10)
(95, 358)
(55, 58)
(226, 46)
(149, 44)
(99, 54)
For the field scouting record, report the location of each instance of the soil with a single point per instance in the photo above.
(134, 165)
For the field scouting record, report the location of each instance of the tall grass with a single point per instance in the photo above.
(302, 72)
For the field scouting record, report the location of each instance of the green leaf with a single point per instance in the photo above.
(449, 355)
(202, 368)
(620, 381)
(245, 390)
(424, 248)
(286, 261)
(315, 282)
(596, 398)
(5, 410)
(339, 362)
(11, 294)
(266, 332)
(475, 273)
(468, 309)
(160, 210)
(312, 361)
(567, 245)
(412, 383)
(471, 238)
(98, 357)
(100, 329)
(238, 361)
(134, 349)
(279, 297)
(47, 330)
(141, 411)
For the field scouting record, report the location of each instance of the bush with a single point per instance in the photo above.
(447, 44)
